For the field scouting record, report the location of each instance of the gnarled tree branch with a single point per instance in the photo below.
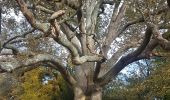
(125, 60)
(113, 27)
(44, 27)
(40, 58)
(6, 44)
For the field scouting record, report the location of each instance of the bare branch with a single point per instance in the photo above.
(41, 8)
(71, 35)
(115, 57)
(113, 27)
(62, 39)
(40, 58)
(165, 44)
(83, 59)
(113, 33)
(83, 36)
(124, 61)
(44, 9)
(57, 14)
(15, 37)
(44, 27)
(58, 35)
(6, 44)
(147, 53)
(129, 24)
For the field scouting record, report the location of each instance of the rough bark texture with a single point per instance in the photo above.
(0, 21)
(79, 95)
(88, 53)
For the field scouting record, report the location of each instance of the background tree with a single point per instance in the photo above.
(94, 55)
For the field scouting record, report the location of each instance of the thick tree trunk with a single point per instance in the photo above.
(86, 89)
(96, 95)
(80, 95)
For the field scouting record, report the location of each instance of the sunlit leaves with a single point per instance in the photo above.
(42, 83)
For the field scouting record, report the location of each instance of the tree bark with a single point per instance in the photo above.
(86, 88)
(80, 95)
(0, 19)
(0, 26)
(97, 95)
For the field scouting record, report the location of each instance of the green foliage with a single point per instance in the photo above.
(33, 88)
(157, 85)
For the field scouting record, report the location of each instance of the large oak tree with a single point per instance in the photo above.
(96, 40)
